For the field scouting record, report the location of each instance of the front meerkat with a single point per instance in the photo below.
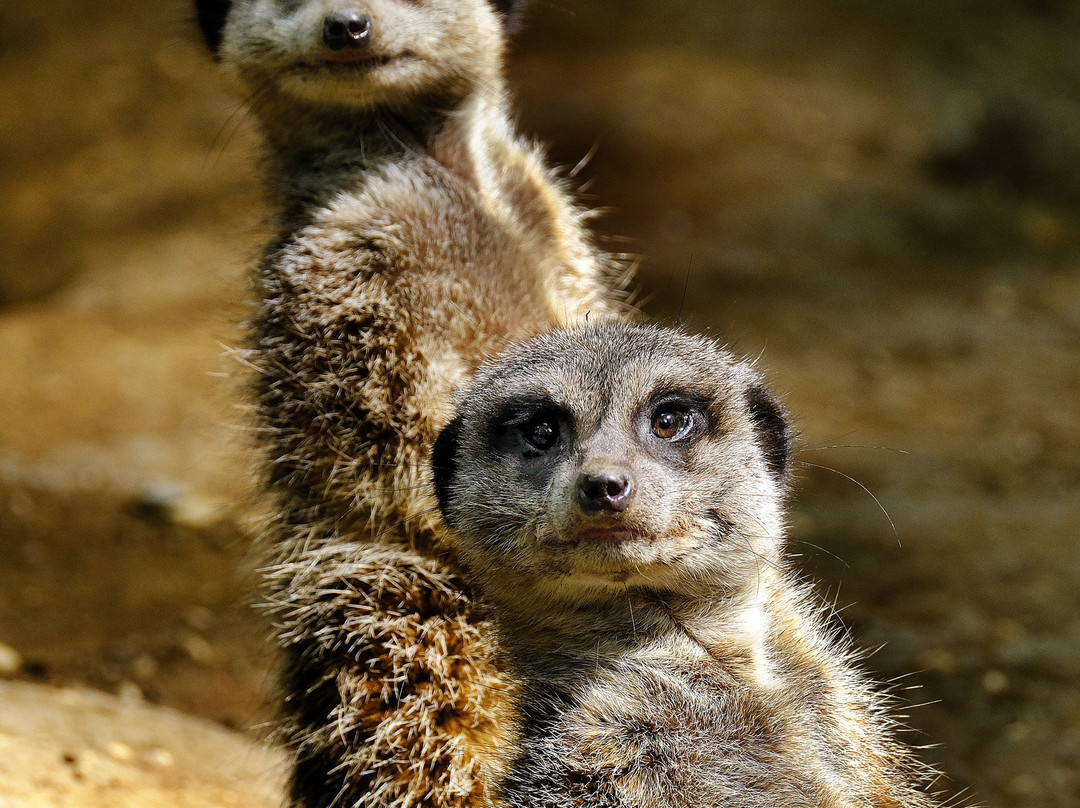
(415, 234)
(617, 492)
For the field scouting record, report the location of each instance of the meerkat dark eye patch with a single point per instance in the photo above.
(672, 422)
(533, 428)
(541, 431)
(675, 415)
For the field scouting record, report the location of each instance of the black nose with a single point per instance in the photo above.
(604, 492)
(346, 29)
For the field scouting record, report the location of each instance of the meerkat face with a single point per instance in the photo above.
(357, 54)
(615, 456)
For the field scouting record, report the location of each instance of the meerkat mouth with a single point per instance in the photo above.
(348, 68)
(607, 535)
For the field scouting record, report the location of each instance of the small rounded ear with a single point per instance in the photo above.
(211, 14)
(444, 463)
(510, 12)
(773, 431)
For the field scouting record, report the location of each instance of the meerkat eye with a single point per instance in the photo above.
(671, 422)
(541, 431)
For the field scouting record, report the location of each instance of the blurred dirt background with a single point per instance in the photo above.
(882, 200)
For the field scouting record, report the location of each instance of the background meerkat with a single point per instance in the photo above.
(416, 234)
(617, 491)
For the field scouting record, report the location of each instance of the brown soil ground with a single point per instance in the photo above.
(75, 748)
(882, 200)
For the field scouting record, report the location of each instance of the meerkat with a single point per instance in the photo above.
(415, 234)
(617, 494)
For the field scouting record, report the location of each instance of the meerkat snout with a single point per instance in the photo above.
(609, 490)
(347, 29)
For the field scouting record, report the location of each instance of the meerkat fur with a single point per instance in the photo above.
(415, 234)
(617, 493)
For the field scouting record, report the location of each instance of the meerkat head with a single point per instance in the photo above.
(358, 54)
(615, 456)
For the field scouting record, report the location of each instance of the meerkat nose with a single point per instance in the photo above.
(610, 491)
(346, 29)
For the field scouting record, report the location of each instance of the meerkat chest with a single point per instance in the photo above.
(667, 726)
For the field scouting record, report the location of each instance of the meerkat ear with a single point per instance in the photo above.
(510, 12)
(211, 14)
(773, 430)
(444, 462)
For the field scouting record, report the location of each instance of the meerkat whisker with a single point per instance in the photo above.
(892, 525)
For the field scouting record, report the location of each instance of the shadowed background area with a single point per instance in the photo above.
(882, 200)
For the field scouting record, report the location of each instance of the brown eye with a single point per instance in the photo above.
(541, 431)
(671, 423)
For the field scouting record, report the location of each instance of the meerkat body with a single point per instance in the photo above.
(416, 234)
(617, 494)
